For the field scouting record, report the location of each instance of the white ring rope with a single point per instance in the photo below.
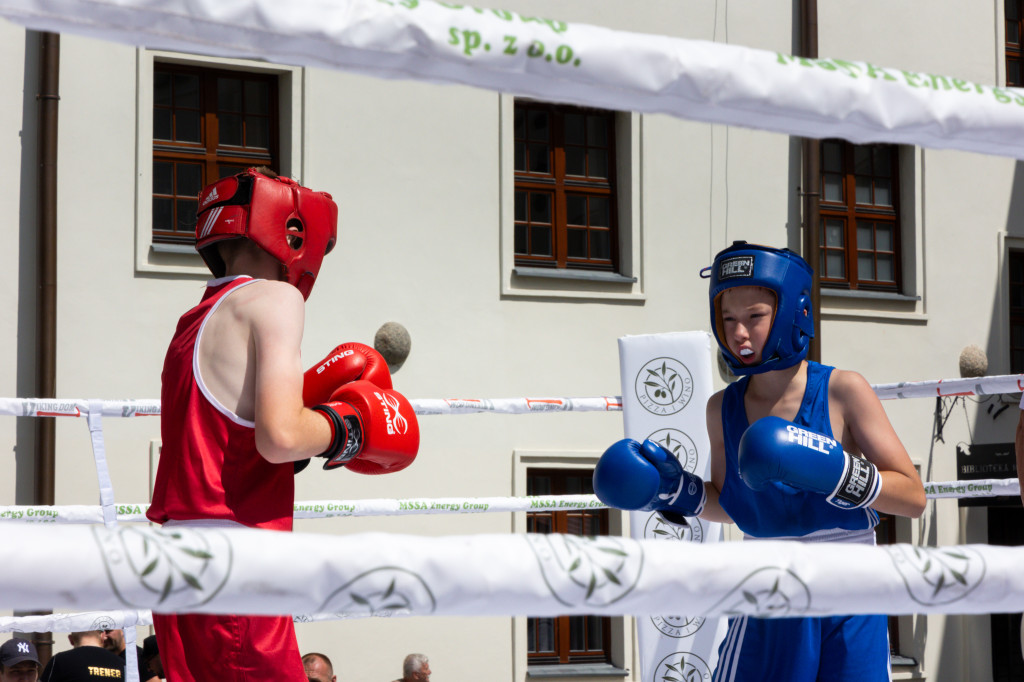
(556, 61)
(374, 574)
(43, 407)
(326, 509)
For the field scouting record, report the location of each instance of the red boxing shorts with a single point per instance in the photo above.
(216, 648)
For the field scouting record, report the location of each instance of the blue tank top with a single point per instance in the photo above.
(780, 510)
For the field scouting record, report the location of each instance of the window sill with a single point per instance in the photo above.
(187, 249)
(562, 273)
(838, 304)
(576, 670)
(869, 295)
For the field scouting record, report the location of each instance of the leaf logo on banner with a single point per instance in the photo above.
(663, 386)
(938, 575)
(657, 528)
(679, 444)
(596, 571)
(154, 567)
(384, 591)
(769, 592)
(682, 666)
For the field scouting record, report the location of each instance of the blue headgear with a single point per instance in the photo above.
(786, 274)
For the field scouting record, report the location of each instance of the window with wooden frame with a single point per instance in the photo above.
(860, 224)
(1014, 19)
(566, 639)
(207, 124)
(1016, 263)
(565, 209)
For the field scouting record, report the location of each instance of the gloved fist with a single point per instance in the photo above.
(374, 430)
(647, 477)
(775, 450)
(348, 362)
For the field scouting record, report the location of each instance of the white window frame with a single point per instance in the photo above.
(178, 259)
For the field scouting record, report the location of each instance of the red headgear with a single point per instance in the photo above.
(262, 209)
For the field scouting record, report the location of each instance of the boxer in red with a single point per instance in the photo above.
(239, 417)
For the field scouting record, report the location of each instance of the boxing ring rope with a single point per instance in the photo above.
(42, 407)
(240, 570)
(326, 509)
(552, 60)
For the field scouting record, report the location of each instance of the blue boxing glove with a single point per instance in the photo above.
(775, 450)
(647, 477)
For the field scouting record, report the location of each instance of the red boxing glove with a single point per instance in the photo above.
(374, 430)
(347, 362)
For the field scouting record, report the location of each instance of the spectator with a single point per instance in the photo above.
(113, 640)
(318, 668)
(19, 661)
(151, 656)
(415, 668)
(86, 662)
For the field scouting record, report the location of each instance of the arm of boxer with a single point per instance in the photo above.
(647, 477)
(871, 433)
(374, 430)
(285, 430)
(347, 362)
(713, 510)
(775, 450)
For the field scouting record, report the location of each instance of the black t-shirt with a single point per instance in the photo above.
(144, 672)
(84, 664)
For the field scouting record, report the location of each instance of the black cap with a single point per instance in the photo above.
(15, 651)
(149, 648)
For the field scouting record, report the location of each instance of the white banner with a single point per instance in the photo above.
(666, 383)
(557, 61)
(375, 574)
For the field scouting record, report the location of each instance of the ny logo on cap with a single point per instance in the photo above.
(23, 647)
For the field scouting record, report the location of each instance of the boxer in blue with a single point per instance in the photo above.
(799, 451)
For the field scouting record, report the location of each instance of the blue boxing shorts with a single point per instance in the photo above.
(832, 649)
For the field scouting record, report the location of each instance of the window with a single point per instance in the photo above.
(566, 639)
(1014, 52)
(1016, 312)
(207, 124)
(860, 225)
(565, 209)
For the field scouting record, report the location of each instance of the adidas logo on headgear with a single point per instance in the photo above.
(211, 196)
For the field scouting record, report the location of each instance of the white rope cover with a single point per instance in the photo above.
(76, 622)
(73, 407)
(556, 61)
(264, 572)
(326, 509)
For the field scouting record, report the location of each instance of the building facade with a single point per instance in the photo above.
(516, 241)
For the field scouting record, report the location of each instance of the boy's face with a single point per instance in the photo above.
(747, 314)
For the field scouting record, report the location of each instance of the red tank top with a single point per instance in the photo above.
(209, 466)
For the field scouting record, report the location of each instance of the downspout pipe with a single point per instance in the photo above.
(47, 97)
(811, 185)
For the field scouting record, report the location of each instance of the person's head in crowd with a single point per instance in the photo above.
(318, 668)
(19, 661)
(416, 668)
(86, 638)
(151, 656)
(114, 640)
